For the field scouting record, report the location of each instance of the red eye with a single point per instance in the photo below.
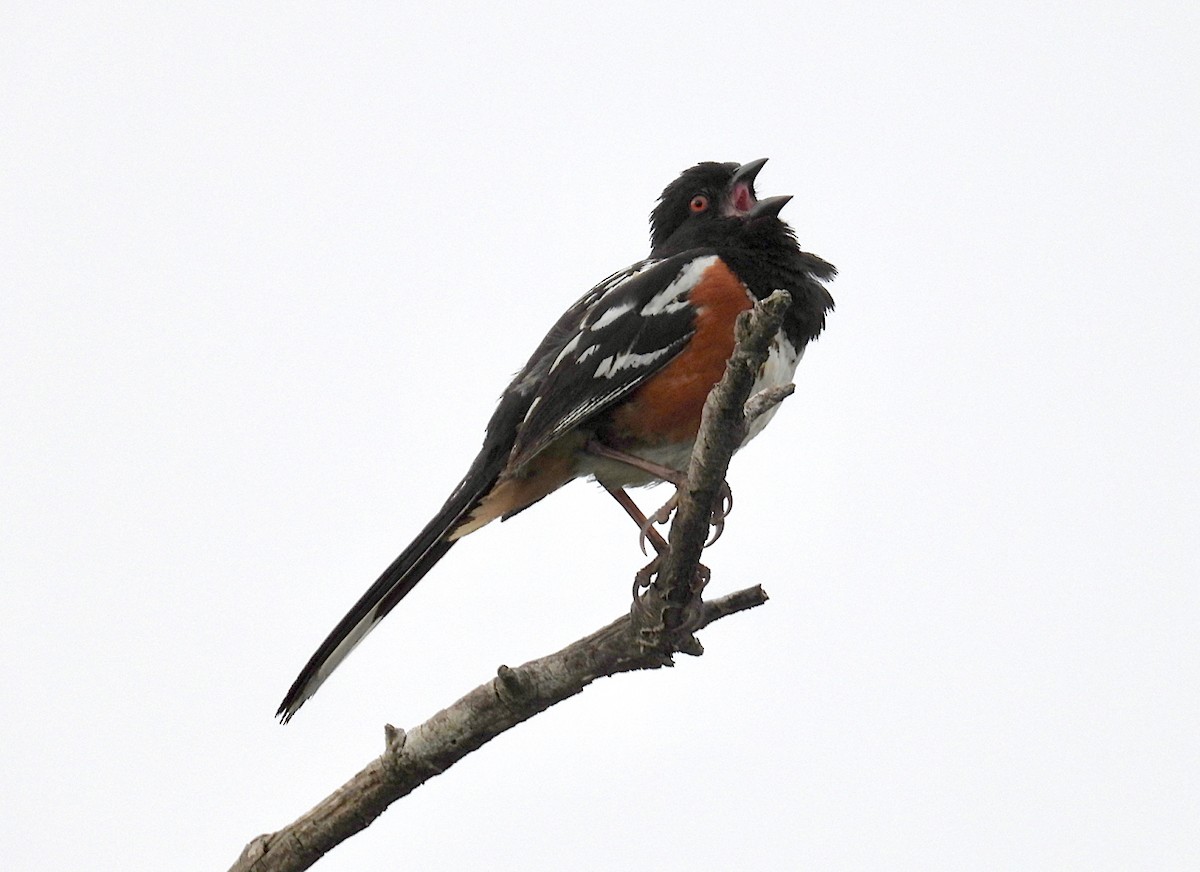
(699, 203)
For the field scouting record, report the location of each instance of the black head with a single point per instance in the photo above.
(709, 204)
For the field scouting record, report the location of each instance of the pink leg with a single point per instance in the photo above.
(642, 578)
(677, 478)
(599, 449)
(647, 527)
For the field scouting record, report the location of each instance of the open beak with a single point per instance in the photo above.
(768, 207)
(747, 172)
(742, 201)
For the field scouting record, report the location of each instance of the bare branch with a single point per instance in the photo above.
(661, 623)
(409, 760)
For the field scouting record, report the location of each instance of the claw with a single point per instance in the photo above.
(663, 513)
(660, 516)
(643, 576)
(642, 531)
(646, 531)
(724, 507)
(718, 527)
(641, 581)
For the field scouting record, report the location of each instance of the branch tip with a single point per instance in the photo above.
(766, 400)
(394, 738)
(510, 685)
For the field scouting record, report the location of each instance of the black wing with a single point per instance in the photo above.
(602, 347)
(630, 326)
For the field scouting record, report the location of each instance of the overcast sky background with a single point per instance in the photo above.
(266, 270)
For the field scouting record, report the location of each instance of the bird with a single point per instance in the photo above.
(615, 390)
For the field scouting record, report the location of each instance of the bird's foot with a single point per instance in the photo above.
(716, 521)
(720, 513)
(650, 608)
(661, 516)
(642, 579)
(693, 612)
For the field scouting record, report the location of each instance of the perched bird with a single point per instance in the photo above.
(616, 388)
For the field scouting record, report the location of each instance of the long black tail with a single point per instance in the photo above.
(397, 580)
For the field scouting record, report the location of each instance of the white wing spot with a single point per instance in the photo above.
(610, 315)
(586, 353)
(610, 366)
(670, 299)
(567, 349)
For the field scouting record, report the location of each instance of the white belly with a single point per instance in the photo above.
(778, 370)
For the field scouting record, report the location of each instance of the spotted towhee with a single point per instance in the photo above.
(616, 389)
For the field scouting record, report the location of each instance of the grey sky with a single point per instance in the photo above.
(266, 272)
